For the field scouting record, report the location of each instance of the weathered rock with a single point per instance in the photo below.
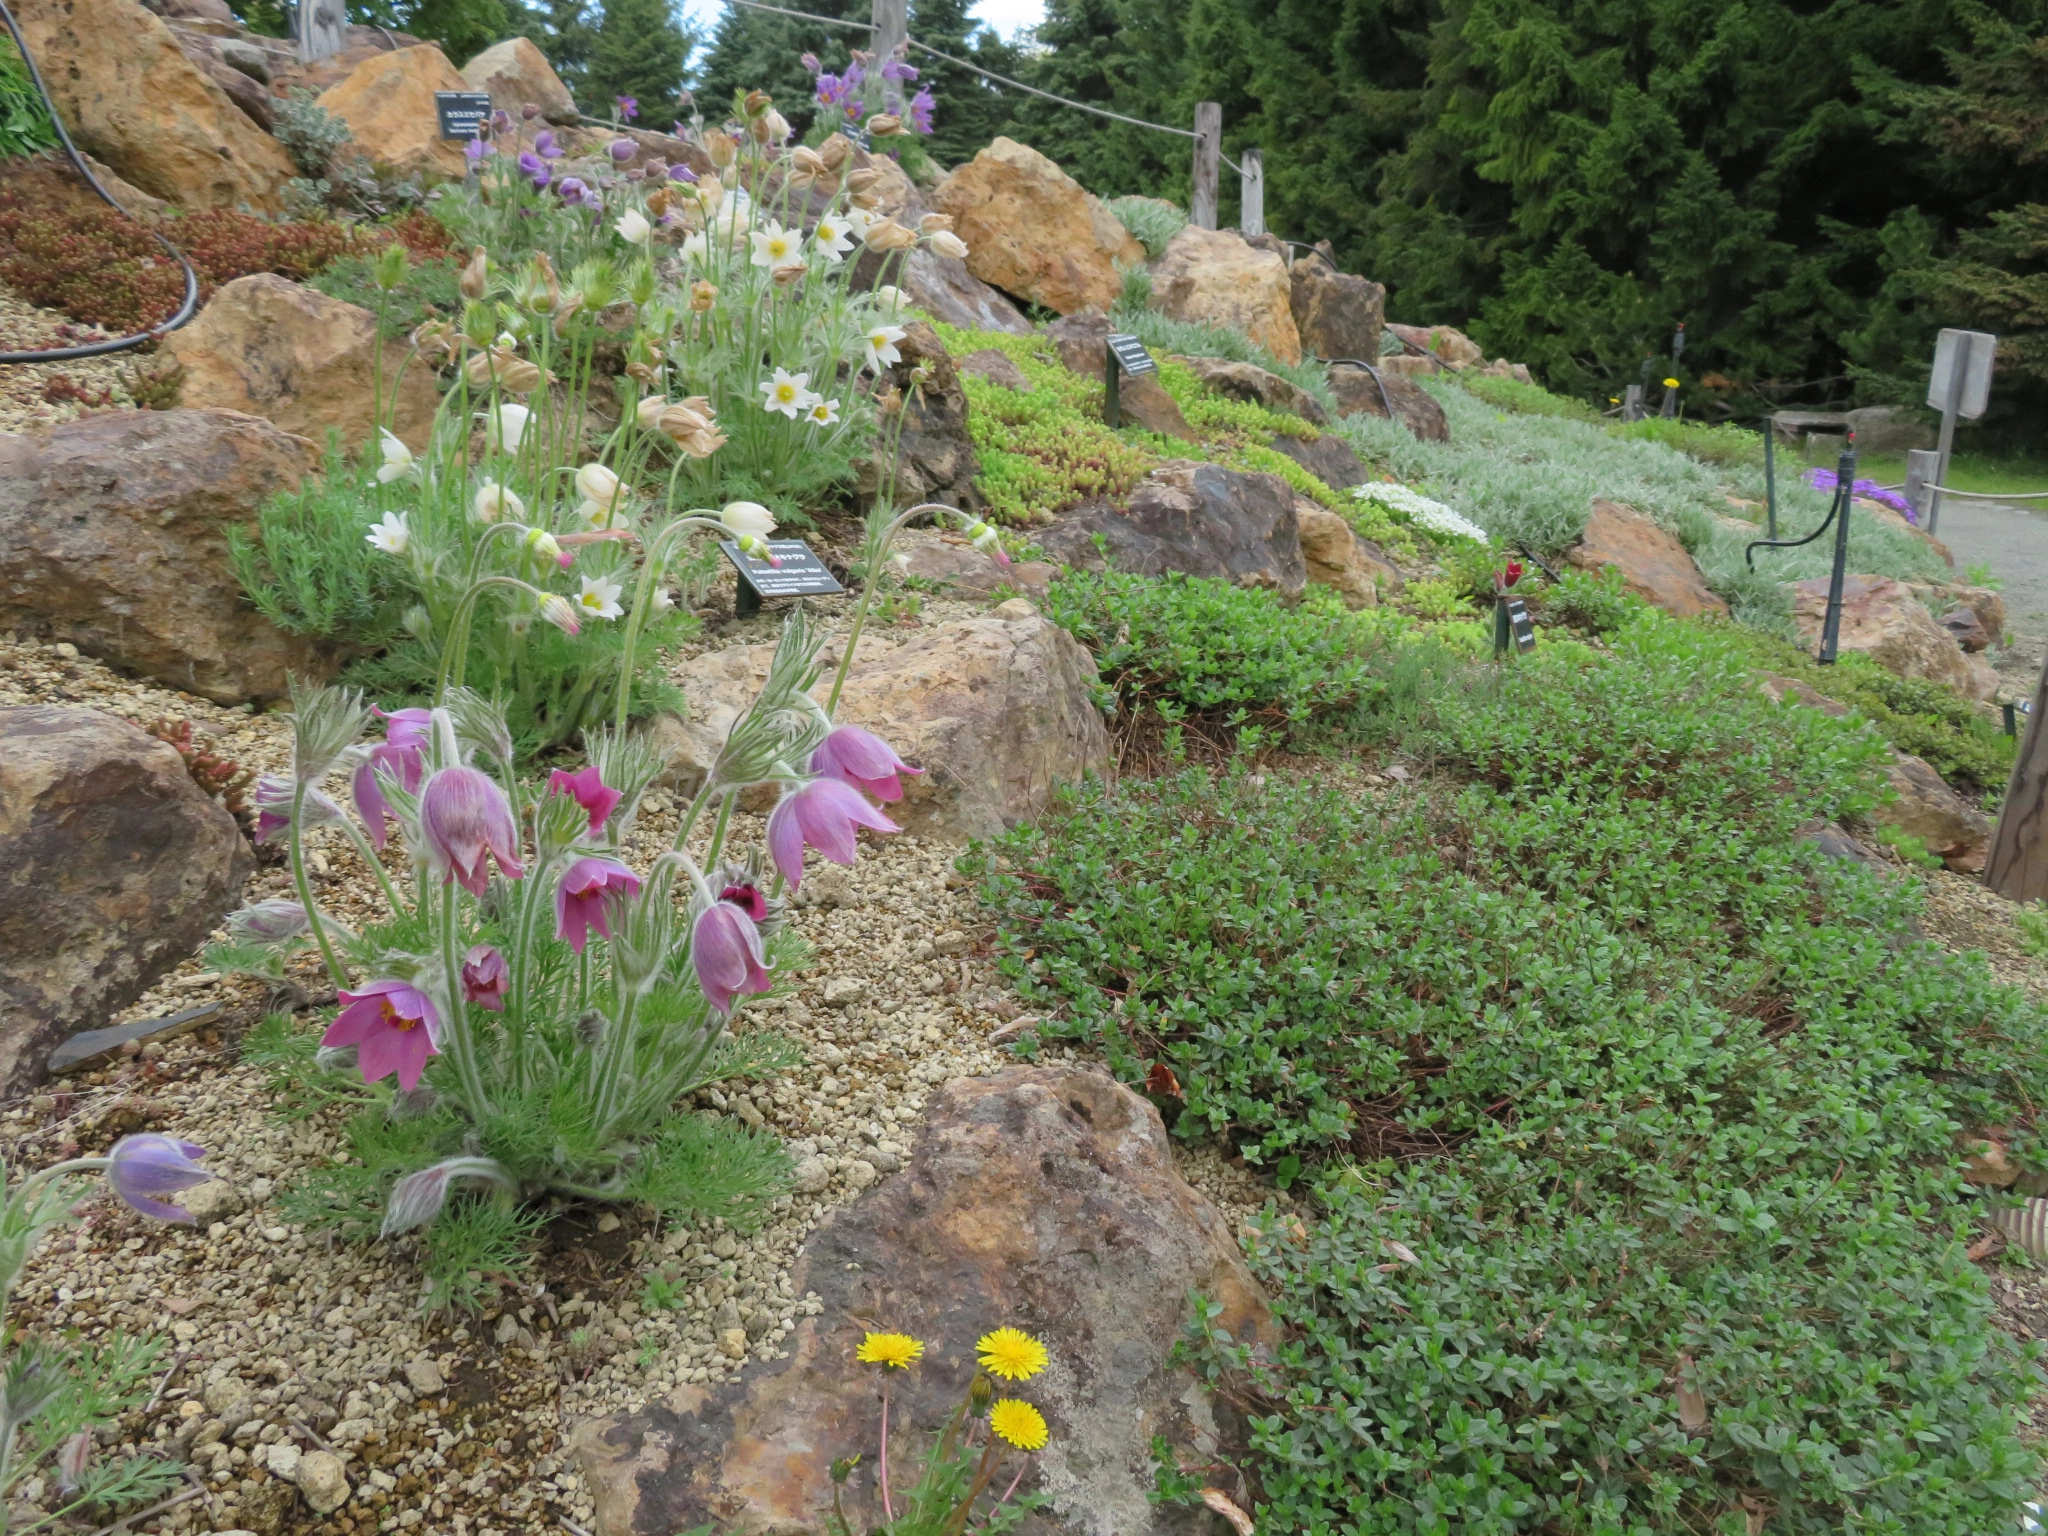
(1653, 564)
(1444, 342)
(1335, 313)
(130, 96)
(1045, 1199)
(113, 537)
(1213, 276)
(1032, 230)
(358, 43)
(269, 347)
(1954, 831)
(1412, 365)
(1256, 386)
(1197, 518)
(1982, 604)
(1327, 457)
(517, 75)
(46, 179)
(1083, 341)
(995, 710)
(935, 455)
(950, 561)
(1884, 620)
(946, 289)
(997, 368)
(1501, 368)
(1968, 629)
(1362, 392)
(91, 1048)
(1335, 556)
(243, 90)
(1890, 428)
(388, 103)
(322, 1477)
(114, 866)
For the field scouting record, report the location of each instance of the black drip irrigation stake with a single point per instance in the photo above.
(118, 343)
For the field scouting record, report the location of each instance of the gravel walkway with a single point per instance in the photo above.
(42, 394)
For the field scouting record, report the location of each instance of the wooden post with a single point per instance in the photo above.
(1923, 472)
(2018, 867)
(322, 29)
(892, 26)
(1632, 402)
(1251, 215)
(1208, 162)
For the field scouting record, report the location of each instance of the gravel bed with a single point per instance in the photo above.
(43, 394)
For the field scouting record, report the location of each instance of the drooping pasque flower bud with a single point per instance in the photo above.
(862, 760)
(143, 1167)
(822, 814)
(580, 900)
(466, 821)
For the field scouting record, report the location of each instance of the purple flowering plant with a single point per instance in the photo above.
(1827, 480)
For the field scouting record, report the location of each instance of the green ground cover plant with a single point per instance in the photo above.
(1624, 1120)
(24, 120)
(1151, 220)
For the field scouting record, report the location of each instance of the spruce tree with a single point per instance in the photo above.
(639, 50)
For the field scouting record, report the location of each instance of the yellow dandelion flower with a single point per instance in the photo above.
(889, 1349)
(1671, 383)
(1019, 1423)
(1011, 1354)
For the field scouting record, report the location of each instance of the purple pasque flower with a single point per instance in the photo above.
(545, 146)
(392, 1025)
(865, 761)
(921, 106)
(810, 63)
(823, 814)
(531, 164)
(465, 821)
(580, 900)
(834, 89)
(681, 173)
(589, 791)
(273, 797)
(485, 977)
(402, 754)
(476, 149)
(622, 150)
(897, 69)
(570, 189)
(629, 108)
(747, 896)
(145, 1166)
(725, 949)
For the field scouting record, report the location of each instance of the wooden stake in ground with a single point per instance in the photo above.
(1208, 163)
(891, 27)
(2018, 868)
(1251, 202)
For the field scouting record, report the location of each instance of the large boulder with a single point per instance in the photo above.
(950, 561)
(1083, 342)
(1328, 458)
(1214, 276)
(934, 454)
(1335, 313)
(1886, 621)
(1335, 556)
(1954, 831)
(1040, 1198)
(267, 346)
(517, 75)
(114, 866)
(113, 536)
(388, 103)
(944, 288)
(1653, 564)
(996, 710)
(130, 96)
(1254, 385)
(1446, 343)
(1196, 518)
(1032, 230)
(1382, 392)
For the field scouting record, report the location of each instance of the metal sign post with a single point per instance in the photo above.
(1831, 626)
(1771, 476)
(1958, 386)
(1121, 354)
(1923, 474)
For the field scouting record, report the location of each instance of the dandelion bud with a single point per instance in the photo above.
(561, 613)
(981, 1392)
(946, 243)
(475, 276)
(842, 1469)
(883, 124)
(834, 150)
(888, 235)
(721, 147)
(702, 296)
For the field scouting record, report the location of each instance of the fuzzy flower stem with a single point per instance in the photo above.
(456, 656)
(957, 1523)
(873, 558)
(888, 1509)
(461, 1044)
(659, 549)
(335, 971)
(724, 824)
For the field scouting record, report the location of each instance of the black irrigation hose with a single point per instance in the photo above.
(1839, 504)
(1333, 362)
(118, 343)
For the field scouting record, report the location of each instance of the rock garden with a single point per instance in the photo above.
(658, 879)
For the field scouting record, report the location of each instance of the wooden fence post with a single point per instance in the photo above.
(1208, 162)
(322, 29)
(2018, 866)
(1251, 217)
(892, 26)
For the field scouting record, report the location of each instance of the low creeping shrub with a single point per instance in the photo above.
(1152, 220)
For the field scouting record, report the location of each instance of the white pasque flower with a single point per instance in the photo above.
(789, 393)
(946, 243)
(823, 412)
(633, 227)
(880, 345)
(834, 237)
(775, 246)
(505, 426)
(890, 299)
(662, 601)
(696, 247)
(397, 458)
(596, 483)
(748, 519)
(493, 501)
(858, 220)
(599, 598)
(390, 535)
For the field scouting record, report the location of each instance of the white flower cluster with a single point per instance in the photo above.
(1431, 515)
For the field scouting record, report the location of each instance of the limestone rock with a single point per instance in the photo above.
(1653, 564)
(1335, 313)
(1213, 276)
(1256, 386)
(1041, 1198)
(322, 1477)
(243, 90)
(130, 96)
(935, 458)
(1412, 365)
(114, 866)
(1327, 457)
(517, 74)
(997, 368)
(995, 710)
(1033, 231)
(1886, 621)
(269, 347)
(1335, 555)
(112, 536)
(1361, 392)
(388, 103)
(1083, 340)
(950, 561)
(1197, 518)
(1954, 831)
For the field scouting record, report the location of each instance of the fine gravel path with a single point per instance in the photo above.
(42, 394)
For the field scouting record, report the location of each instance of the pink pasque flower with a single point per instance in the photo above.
(485, 977)
(865, 761)
(823, 814)
(725, 948)
(393, 1027)
(748, 898)
(402, 754)
(589, 791)
(581, 899)
(466, 820)
(147, 1165)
